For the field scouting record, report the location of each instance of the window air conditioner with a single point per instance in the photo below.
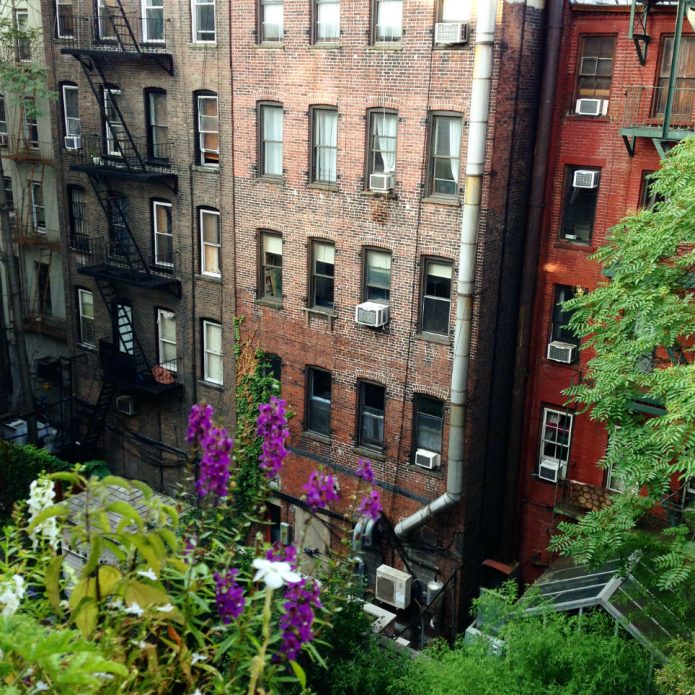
(125, 404)
(585, 178)
(372, 314)
(591, 107)
(381, 182)
(427, 459)
(393, 586)
(72, 142)
(446, 33)
(550, 470)
(4, 140)
(562, 352)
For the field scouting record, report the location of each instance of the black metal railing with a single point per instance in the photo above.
(645, 107)
(113, 31)
(122, 255)
(125, 369)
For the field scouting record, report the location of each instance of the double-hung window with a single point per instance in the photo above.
(3, 122)
(106, 11)
(324, 145)
(381, 149)
(153, 21)
(322, 275)
(559, 330)
(271, 267)
(556, 434)
(65, 23)
(271, 16)
(38, 211)
(326, 21)
(43, 305)
(23, 36)
(436, 297)
(163, 233)
(684, 91)
(9, 198)
(85, 308)
(166, 339)
(372, 405)
(115, 129)
(595, 67)
(445, 155)
(212, 352)
(119, 232)
(71, 115)
(270, 139)
(78, 221)
(648, 196)
(157, 124)
(31, 124)
(318, 416)
(429, 423)
(377, 276)
(203, 12)
(452, 11)
(210, 242)
(208, 123)
(387, 21)
(581, 196)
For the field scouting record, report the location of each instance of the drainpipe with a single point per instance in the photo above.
(475, 163)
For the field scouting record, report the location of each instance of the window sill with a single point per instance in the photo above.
(201, 45)
(394, 46)
(318, 437)
(374, 454)
(597, 119)
(262, 301)
(388, 195)
(434, 473)
(89, 348)
(275, 180)
(216, 279)
(206, 169)
(211, 385)
(433, 338)
(271, 45)
(574, 245)
(453, 202)
(317, 185)
(321, 311)
(327, 46)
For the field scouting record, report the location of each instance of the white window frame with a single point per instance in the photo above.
(207, 244)
(59, 32)
(194, 20)
(158, 233)
(73, 127)
(207, 351)
(166, 315)
(83, 317)
(611, 480)
(30, 125)
(263, 5)
(11, 211)
(563, 463)
(25, 28)
(36, 207)
(201, 140)
(112, 139)
(147, 6)
(102, 29)
(3, 123)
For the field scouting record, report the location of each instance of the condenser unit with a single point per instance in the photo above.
(585, 178)
(393, 586)
(550, 470)
(427, 459)
(447, 33)
(372, 314)
(562, 352)
(382, 182)
(591, 107)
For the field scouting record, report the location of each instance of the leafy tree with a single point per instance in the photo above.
(638, 327)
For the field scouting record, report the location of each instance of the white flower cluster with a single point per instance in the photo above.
(11, 593)
(41, 496)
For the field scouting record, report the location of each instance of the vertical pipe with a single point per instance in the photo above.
(680, 13)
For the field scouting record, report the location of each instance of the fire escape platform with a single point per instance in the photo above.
(116, 171)
(135, 278)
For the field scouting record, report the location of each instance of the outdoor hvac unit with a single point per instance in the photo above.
(585, 178)
(72, 142)
(372, 314)
(591, 107)
(393, 586)
(562, 352)
(550, 470)
(447, 33)
(382, 182)
(427, 459)
(125, 404)
(4, 140)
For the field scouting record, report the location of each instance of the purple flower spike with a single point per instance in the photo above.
(283, 553)
(297, 621)
(320, 490)
(364, 470)
(229, 596)
(199, 422)
(370, 505)
(213, 475)
(272, 427)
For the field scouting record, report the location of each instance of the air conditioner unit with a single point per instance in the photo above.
(585, 178)
(383, 182)
(4, 140)
(550, 470)
(72, 142)
(393, 586)
(372, 314)
(427, 459)
(446, 33)
(562, 352)
(125, 403)
(591, 107)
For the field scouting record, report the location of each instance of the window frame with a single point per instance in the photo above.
(556, 315)
(314, 159)
(262, 157)
(566, 195)
(78, 240)
(260, 29)
(194, 21)
(59, 33)
(145, 6)
(371, 150)
(30, 125)
(311, 397)
(113, 139)
(43, 289)
(367, 250)
(440, 14)
(434, 117)
(199, 133)
(373, 30)
(71, 86)
(3, 120)
(151, 126)
(22, 44)
(167, 314)
(207, 351)
(156, 203)
(315, 40)
(417, 414)
(426, 260)
(362, 384)
(262, 265)
(82, 317)
(661, 83)
(204, 210)
(578, 68)
(38, 209)
(563, 463)
(313, 275)
(9, 196)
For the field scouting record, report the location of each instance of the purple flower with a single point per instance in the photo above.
(199, 422)
(364, 470)
(213, 474)
(228, 595)
(297, 620)
(272, 427)
(320, 490)
(283, 553)
(370, 505)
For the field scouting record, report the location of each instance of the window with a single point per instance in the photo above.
(453, 11)
(163, 233)
(166, 339)
(105, 13)
(271, 365)
(685, 80)
(123, 332)
(119, 232)
(595, 67)
(153, 21)
(326, 21)
(23, 40)
(556, 432)
(31, 125)
(318, 415)
(210, 242)
(3, 121)
(558, 329)
(113, 125)
(436, 297)
(208, 124)
(271, 267)
(324, 150)
(381, 148)
(212, 352)
(648, 196)
(65, 22)
(322, 274)
(580, 206)
(270, 140)
(372, 402)
(85, 307)
(38, 211)
(203, 21)
(445, 152)
(71, 110)
(78, 219)
(9, 198)
(271, 21)
(429, 423)
(157, 124)
(614, 481)
(387, 20)
(43, 303)
(377, 276)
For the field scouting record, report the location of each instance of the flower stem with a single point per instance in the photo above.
(259, 659)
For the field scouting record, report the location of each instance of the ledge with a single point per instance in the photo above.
(434, 338)
(317, 437)
(270, 45)
(387, 195)
(437, 473)
(327, 313)
(318, 186)
(395, 46)
(574, 245)
(275, 180)
(210, 385)
(327, 46)
(262, 301)
(206, 169)
(373, 454)
(202, 277)
(454, 202)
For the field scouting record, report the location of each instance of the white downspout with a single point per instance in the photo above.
(475, 163)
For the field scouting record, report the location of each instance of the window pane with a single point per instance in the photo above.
(271, 20)
(272, 266)
(372, 401)
(319, 401)
(579, 210)
(378, 275)
(388, 20)
(327, 20)
(325, 135)
(271, 117)
(384, 127)
(446, 146)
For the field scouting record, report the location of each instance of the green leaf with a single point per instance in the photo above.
(52, 582)
(299, 673)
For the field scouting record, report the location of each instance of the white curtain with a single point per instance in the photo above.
(328, 21)
(272, 21)
(326, 139)
(439, 270)
(385, 128)
(272, 138)
(213, 352)
(324, 253)
(389, 20)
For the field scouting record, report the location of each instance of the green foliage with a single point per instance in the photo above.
(19, 465)
(639, 327)
(677, 677)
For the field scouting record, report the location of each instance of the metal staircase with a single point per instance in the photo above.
(98, 415)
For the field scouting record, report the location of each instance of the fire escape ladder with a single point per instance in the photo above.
(120, 22)
(639, 16)
(97, 418)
